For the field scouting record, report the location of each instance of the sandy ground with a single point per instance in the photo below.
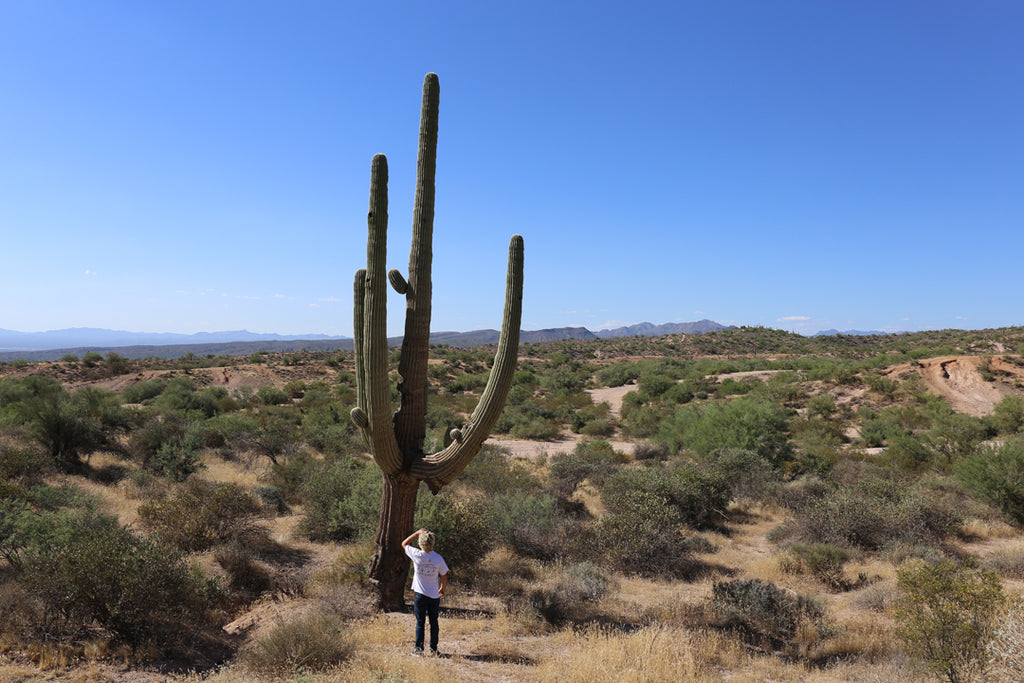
(958, 379)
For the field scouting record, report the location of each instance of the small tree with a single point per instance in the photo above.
(947, 614)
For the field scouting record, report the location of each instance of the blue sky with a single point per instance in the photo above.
(204, 165)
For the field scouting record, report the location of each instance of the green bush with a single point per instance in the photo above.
(272, 396)
(748, 422)
(698, 497)
(825, 562)
(170, 446)
(533, 525)
(593, 460)
(946, 615)
(1008, 415)
(996, 475)
(142, 392)
(135, 588)
(65, 429)
(747, 474)
(462, 526)
(342, 499)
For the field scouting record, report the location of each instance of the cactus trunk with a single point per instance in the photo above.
(395, 441)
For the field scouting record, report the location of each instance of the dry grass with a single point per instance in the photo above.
(1007, 560)
(654, 653)
(987, 529)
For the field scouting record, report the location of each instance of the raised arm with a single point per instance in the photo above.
(413, 535)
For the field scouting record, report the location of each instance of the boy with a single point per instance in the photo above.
(429, 582)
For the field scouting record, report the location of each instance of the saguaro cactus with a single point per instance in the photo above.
(396, 439)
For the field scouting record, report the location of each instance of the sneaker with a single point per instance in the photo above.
(417, 651)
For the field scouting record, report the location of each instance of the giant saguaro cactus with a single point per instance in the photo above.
(396, 439)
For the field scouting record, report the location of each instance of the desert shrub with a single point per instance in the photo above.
(22, 465)
(201, 515)
(494, 473)
(329, 429)
(762, 612)
(593, 420)
(954, 437)
(276, 436)
(568, 595)
(64, 428)
(747, 474)
(822, 406)
(617, 375)
(272, 396)
(532, 525)
(91, 358)
(641, 535)
(536, 428)
(652, 385)
(342, 500)
(824, 561)
(748, 422)
(180, 395)
(699, 497)
(1008, 415)
(246, 573)
(135, 588)
(650, 451)
(909, 453)
(874, 513)
(462, 526)
(946, 615)
(142, 392)
(640, 421)
(877, 429)
(593, 460)
(221, 430)
(170, 446)
(996, 475)
(309, 643)
(272, 498)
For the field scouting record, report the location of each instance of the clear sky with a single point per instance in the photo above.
(203, 165)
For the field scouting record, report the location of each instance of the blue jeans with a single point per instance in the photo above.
(424, 607)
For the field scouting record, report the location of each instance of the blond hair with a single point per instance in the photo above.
(427, 541)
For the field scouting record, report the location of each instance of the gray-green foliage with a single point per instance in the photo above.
(342, 499)
(763, 612)
(872, 513)
(463, 528)
(996, 475)
(946, 614)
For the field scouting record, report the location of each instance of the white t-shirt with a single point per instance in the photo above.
(430, 567)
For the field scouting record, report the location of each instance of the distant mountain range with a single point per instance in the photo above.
(852, 333)
(90, 336)
(38, 346)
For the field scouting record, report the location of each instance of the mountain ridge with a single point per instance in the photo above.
(242, 342)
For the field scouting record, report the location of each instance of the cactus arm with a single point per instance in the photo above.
(383, 446)
(440, 468)
(359, 416)
(398, 282)
(410, 421)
